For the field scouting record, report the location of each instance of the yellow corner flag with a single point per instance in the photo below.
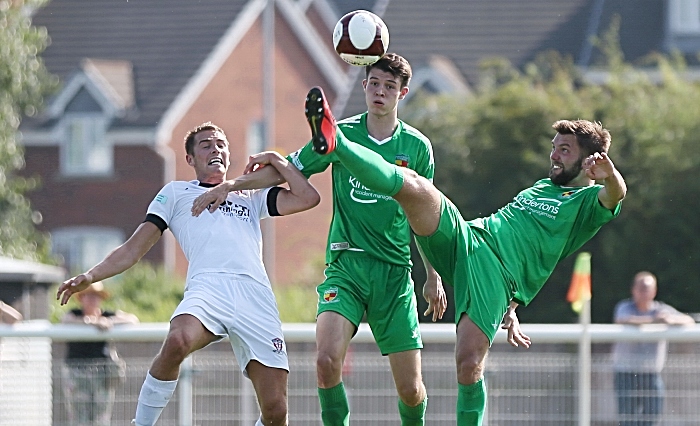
(580, 288)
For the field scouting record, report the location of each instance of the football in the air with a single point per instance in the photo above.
(360, 38)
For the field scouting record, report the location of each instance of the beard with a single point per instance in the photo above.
(566, 175)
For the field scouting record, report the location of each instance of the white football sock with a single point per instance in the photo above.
(154, 396)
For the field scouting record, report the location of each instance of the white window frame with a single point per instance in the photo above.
(255, 137)
(685, 17)
(85, 150)
(81, 247)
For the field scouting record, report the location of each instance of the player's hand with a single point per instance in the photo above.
(72, 286)
(259, 160)
(434, 294)
(210, 200)
(598, 166)
(516, 337)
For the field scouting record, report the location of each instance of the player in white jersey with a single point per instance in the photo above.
(224, 251)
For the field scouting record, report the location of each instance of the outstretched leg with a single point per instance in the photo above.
(271, 389)
(417, 196)
(413, 399)
(333, 334)
(186, 335)
(470, 352)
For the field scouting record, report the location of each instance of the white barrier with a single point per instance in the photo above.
(431, 333)
(530, 379)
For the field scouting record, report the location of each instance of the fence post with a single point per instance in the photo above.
(584, 367)
(184, 389)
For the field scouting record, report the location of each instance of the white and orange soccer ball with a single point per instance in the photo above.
(361, 38)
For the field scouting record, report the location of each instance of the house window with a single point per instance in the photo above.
(83, 247)
(685, 16)
(85, 149)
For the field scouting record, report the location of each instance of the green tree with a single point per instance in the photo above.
(24, 81)
(496, 143)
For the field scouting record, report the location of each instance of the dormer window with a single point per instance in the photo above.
(83, 246)
(685, 17)
(85, 150)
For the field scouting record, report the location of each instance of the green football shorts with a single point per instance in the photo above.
(357, 283)
(459, 253)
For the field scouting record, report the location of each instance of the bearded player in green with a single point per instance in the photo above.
(500, 261)
(368, 252)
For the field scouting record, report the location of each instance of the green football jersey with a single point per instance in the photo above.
(364, 220)
(542, 225)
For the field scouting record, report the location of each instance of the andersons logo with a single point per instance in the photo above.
(547, 207)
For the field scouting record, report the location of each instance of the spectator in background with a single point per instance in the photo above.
(8, 314)
(93, 367)
(638, 365)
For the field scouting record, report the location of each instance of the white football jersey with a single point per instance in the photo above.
(226, 241)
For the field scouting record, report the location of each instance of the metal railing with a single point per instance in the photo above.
(538, 386)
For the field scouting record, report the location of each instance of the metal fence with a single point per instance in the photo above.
(538, 386)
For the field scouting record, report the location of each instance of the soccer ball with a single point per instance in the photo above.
(360, 38)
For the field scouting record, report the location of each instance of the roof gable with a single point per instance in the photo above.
(99, 86)
(165, 41)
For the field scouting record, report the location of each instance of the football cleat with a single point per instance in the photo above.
(321, 121)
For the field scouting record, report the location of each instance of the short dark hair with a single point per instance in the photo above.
(590, 135)
(189, 137)
(394, 64)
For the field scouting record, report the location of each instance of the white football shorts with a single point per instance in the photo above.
(242, 309)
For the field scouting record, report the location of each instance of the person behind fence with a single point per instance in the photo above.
(228, 292)
(638, 365)
(8, 314)
(93, 367)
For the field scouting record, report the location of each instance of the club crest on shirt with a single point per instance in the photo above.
(330, 295)
(402, 160)
(296, 161)
(230, 209)
(278, 345)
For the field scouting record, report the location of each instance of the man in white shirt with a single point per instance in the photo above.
(224, 251)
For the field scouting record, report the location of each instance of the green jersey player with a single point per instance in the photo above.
(368, 250)
(497, 262)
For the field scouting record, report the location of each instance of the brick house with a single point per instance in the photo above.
(137, 75)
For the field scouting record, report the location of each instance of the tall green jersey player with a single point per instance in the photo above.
(368, 251)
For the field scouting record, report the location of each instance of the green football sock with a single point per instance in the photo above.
(471, 404)
(368, 167)
(413, 416)
(335, 410)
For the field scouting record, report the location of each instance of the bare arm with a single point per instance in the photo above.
(670, 318)
(600, 167)
(433, 290)
(264, 170)
(101, 322)
(119, 260)
(301, 195)
(8, 314)
(252, 178)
